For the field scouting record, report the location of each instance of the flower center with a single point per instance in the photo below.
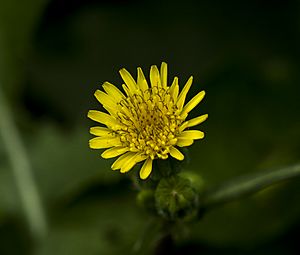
(151, 120)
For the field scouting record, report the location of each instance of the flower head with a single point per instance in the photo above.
(146, 122)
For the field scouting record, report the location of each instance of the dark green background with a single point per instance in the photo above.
(245, 54)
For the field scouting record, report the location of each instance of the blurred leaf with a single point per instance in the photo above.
(109, 225)
(9, 200)
(18, 20)
(64, 164)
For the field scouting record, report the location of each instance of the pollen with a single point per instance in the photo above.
(147, 122)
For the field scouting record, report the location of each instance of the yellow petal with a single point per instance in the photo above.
(105, 100)
(113, 91)
(182, 95)
(114, 152)
(127, 91)
(103, 118)
(104, 142)
(130, 163)
(141, 80)
(192, 104)
(174, 89)
(112, 111)
(146, 169)
(196, 121)
(101, 131)
(183, 126)
(192, 134)
(127, 78)
(175, 153)
(155, 77)
(183, 142)
(164, 74)
(120, 161)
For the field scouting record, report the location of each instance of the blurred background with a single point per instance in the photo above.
(54, 54)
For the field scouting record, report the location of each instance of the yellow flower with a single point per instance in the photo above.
(146, 122)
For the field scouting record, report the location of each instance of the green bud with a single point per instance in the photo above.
(176, 198)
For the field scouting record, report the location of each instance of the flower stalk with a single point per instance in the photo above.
(247, 185)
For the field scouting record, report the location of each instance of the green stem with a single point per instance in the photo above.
(247, 185)
(22, 173)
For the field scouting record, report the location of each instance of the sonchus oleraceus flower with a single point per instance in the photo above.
(146, 122)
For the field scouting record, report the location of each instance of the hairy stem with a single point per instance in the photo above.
(247, 185)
